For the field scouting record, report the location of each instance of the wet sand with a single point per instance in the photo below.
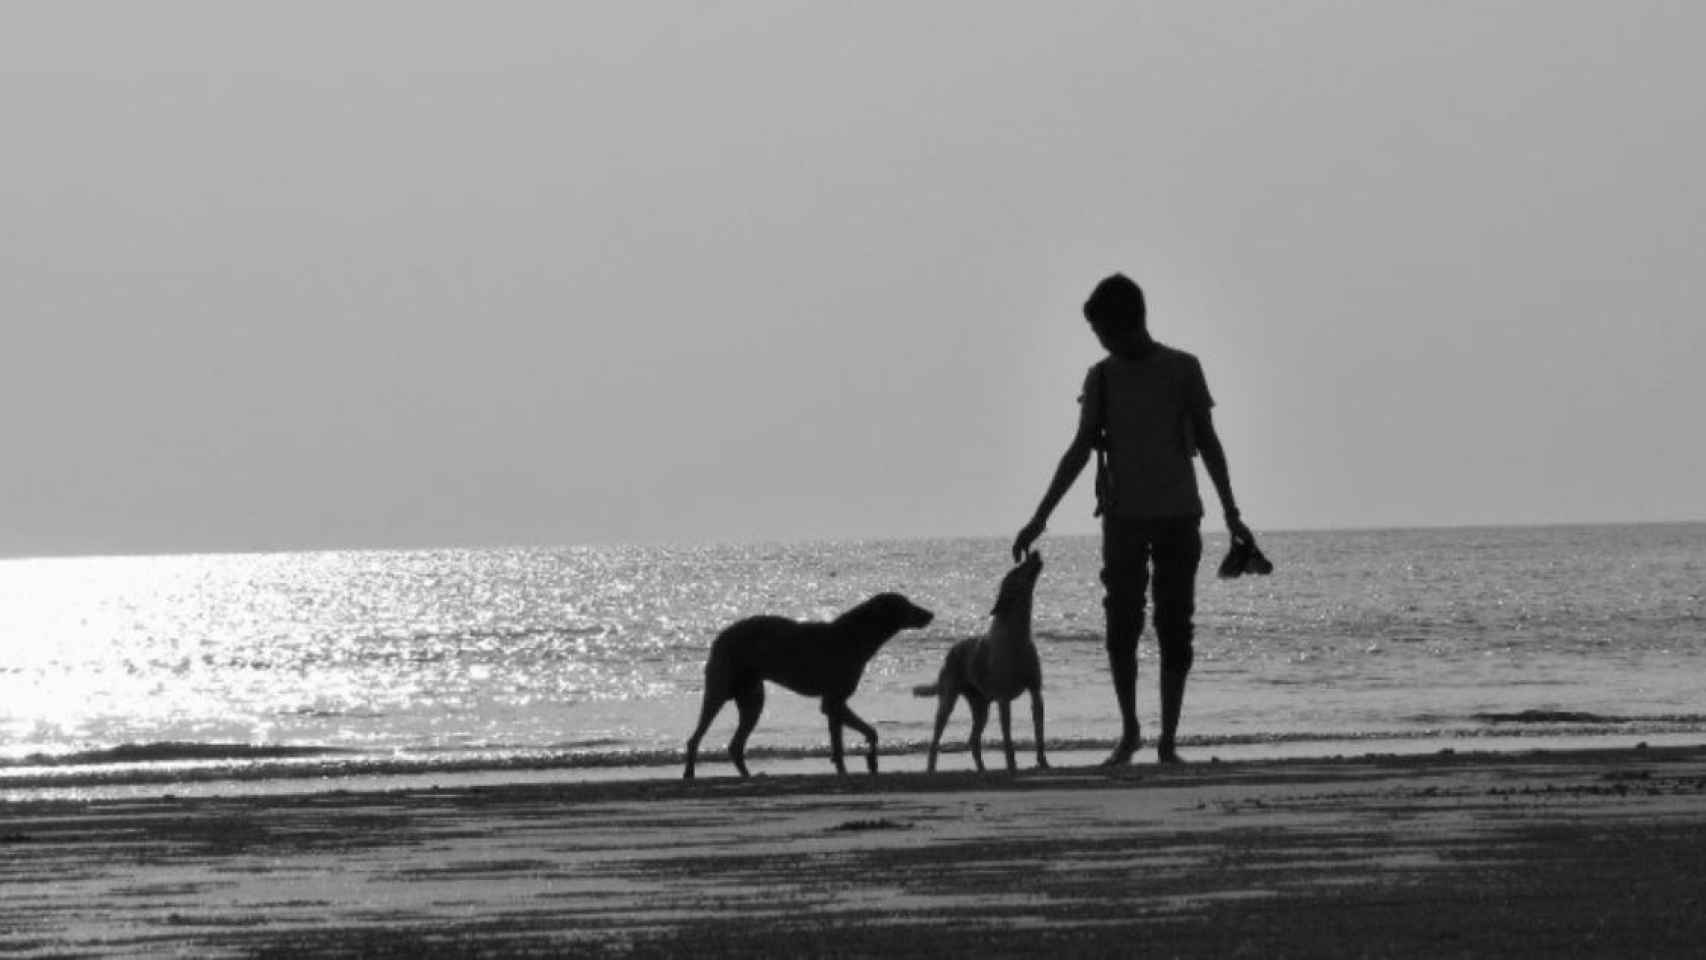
(1580, 853)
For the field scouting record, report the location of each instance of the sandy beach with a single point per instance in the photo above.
(1582, 853)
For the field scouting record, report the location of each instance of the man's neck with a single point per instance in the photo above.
(1136, 347)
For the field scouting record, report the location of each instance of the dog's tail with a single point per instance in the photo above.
(927, 689)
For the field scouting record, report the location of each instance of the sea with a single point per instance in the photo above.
(315, 671)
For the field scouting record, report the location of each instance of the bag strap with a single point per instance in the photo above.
(1104, 470)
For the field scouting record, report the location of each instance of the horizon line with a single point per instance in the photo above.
(776, 542)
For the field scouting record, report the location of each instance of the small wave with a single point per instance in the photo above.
(1075, 636)
(171, 750)
(322, 713)
(1594, 719)
(592, 743)
(201, 763)
(1549, 716)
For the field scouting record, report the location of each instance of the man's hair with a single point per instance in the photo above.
(1117, 302)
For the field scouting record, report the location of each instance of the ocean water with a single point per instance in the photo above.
(303, 670)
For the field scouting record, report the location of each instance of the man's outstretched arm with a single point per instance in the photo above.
(1065, 475)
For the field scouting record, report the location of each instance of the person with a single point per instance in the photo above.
(1144, 412)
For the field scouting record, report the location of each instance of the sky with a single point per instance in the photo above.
(410, 274)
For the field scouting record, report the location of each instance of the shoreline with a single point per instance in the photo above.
(308, 771)
(1596, 852)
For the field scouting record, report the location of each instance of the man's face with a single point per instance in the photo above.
(1111, 335)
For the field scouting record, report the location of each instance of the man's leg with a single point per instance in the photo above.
(1178, 552)
(1125, 578)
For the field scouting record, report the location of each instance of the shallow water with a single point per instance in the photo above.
(185, 668)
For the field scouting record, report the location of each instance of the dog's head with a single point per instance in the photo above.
(894, 612)
(1018, 585)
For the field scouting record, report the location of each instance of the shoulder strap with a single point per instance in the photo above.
(1104, 471)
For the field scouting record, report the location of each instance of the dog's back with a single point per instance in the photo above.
(956, 671)
(807, 658)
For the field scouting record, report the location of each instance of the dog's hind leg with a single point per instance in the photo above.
(749, 700)
(707, 712)
(1005, 709)
(979, 717)
(1037, 723)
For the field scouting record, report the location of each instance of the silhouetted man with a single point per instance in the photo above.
(1145, 411)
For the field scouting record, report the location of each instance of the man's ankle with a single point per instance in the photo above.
(1128, 745)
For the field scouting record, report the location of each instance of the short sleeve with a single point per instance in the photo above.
(1090, 404)
(1197, 396)
(1086, 393)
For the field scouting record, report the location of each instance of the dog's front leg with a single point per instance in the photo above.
(1005, 708)
(846, 715)
(979, 717)
(832, 712)
(1037, 722)
(870, 732)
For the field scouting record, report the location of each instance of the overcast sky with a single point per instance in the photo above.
(409, 274)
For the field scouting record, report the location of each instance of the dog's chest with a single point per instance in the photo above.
(1002, 670)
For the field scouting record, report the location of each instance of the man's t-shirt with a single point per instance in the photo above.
(1150, 445)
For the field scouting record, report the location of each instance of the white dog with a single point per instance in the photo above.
(998, 666)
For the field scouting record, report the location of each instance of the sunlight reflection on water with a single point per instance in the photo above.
(524, 648)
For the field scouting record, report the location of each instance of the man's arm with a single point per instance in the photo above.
(1214, 459)
(1065, 474)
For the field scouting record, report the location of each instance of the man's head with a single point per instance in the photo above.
(1116, 308)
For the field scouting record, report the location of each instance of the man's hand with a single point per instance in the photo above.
(1028, 535)
(1240, 531)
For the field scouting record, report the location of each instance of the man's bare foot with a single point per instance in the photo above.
(1166, 754)
(1123, 751)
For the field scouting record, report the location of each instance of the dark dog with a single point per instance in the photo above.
(815, 659)
(995, 667)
